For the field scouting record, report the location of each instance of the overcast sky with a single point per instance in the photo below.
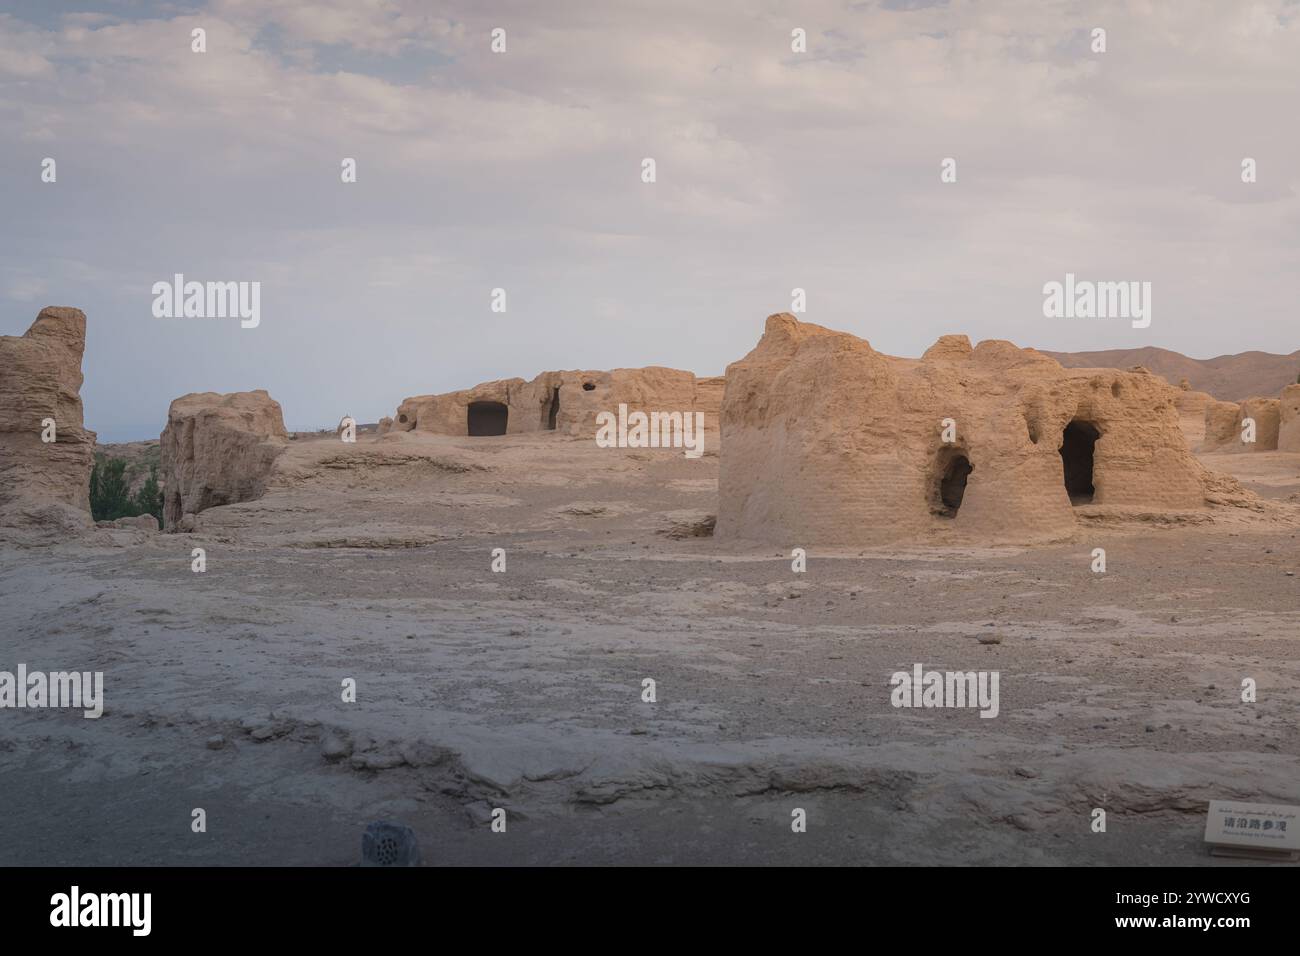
(522, 170)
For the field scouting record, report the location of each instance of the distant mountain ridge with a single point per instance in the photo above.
(1229, 378)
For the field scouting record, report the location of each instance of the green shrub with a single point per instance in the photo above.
(110, 492)
(110, 496)
(149, 499)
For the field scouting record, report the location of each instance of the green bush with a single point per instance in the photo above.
(110, 492)
(149, 499)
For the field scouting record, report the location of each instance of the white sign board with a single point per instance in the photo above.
(1253, 829)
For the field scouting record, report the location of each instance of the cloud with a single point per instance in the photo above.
(522, 170)
(22, 51)
(25, 288)
(381, 26)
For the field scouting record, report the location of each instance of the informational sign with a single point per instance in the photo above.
(1260, 830)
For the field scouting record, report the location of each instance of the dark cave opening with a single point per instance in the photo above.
(952, 470)
(487, 418)
(1077, 445)
(554, 412)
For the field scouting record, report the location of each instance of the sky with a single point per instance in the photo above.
(522, 170)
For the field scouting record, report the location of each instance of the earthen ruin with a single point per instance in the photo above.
(217, 450)
(823, 439)
(1288, 432)
(1276, 424)
(45, 482)
(563, 402)
(827, 441)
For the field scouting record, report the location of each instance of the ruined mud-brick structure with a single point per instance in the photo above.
(563, 402)
(46, 452)
(218, 449)
(1288, 433)
(1277, 424)
(827, 441)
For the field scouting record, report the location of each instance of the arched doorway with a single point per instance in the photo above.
(948, 483)
(487, 418)
(553, 413)
(1078, 442)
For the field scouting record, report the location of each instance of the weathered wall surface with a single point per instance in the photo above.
(1191, 414)
(1222, 429)
(1224, 424)
(825, 440)
(1288, 435)
(218, 449)
(1267, 413)
(578, 396)
(40, 377)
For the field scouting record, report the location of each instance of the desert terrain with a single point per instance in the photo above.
(1229, 378)
(522, 689)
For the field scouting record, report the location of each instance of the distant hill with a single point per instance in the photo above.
(139, 455)
(1229, 378)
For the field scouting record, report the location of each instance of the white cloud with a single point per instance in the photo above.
(22, 51)
(24, 288)
(377, 26)
(775, 170)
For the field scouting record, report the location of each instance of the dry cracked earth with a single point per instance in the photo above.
(523, 689)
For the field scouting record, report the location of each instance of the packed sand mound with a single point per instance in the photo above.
(218, 449)
(827, 441)
(564, 402)
(45, 483)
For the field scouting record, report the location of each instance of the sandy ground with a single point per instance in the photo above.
(522, 689)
